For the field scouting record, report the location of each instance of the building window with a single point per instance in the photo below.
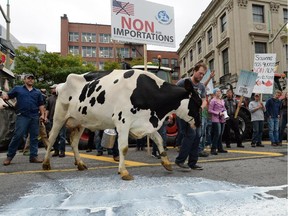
(74, 50)
(165, 62)
(105, 38)
(106, 52)
(225, 61)
(123, 53)
(209, 36)
(258, 13)
(88, 51)
(184, 62)
(88, 37)
(285, 14)
(133, 53)
(73, 36)
(101, 65)
(260, 47)
(223, 21)
(286, 49)
(199, 45)
(174, 63)
(191, 55)
(211, 64)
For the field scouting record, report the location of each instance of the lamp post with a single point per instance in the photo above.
(7, 19)
(276, 35)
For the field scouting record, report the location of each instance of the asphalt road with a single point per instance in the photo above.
(259, 167)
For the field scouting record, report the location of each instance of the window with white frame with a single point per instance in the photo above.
(225, 58)
(88, 37)
(211, 64)
(199, 45)
(174, 63)
(258, 13)
(105, 38)
(73, 36)
(133, 53)
(285, 15)
(184, 62)
(123, 52)
(74, 50)
(165, 62)
(191, 55)
(106, 52)
(260, 47)
(223, 22)
(88, 51)
(209, 36)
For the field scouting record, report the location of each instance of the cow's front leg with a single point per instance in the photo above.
(164, 158)
(74, 140)
(123, 149)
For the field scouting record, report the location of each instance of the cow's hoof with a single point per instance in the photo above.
(46, 166)
(167, 166)
(127, 177)
(82, 166)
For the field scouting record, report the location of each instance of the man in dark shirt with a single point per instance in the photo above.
(232, 123)
(29, 102)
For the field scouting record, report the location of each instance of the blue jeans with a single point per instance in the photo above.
(190, 143)
(257, 131)
(273, 129)
(23, 126)
(218, 129)
(60, 141)
(205, 134)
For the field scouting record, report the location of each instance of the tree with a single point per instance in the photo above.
(109, 66)
(48, 68)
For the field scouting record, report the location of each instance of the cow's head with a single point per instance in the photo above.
(194, 104)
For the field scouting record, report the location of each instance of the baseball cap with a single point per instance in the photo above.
(257, 94)
(28, 75)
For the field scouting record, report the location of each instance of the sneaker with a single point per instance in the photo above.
(203, 154)
(89, 150)
(62, 154)
(183, 166)
(155, 156)
(196, 167)
(222, 151)
(7, 161)
(213, 152)
(259, 145)
(56, 153)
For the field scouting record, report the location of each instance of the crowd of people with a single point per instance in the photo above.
(218, 114)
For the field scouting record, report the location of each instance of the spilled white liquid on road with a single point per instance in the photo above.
(147, 196)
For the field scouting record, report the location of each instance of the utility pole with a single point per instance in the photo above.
(7, 19)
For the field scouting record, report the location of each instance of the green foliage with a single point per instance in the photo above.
(48, 68)
(109, 66)
(136, 61)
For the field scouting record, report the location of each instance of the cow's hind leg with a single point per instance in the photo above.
(123, 149)
(74, 140)
(159, 142)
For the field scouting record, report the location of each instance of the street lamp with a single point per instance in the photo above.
(276, 35)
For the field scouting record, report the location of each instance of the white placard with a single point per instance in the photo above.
(143, 22)
(264, 66)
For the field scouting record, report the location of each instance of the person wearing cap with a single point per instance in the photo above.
(257, 110)
(29, 103)
(59, 145)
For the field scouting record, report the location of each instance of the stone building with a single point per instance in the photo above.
(229, 33)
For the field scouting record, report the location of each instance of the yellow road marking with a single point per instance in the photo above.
(107, 159)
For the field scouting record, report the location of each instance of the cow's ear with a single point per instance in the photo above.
(188, 85)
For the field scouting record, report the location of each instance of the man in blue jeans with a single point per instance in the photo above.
(191, 136)
(273, 112)
(29, 102)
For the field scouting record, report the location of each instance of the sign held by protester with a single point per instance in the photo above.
(264, 66)
(209, 87)
(142, 22)
(246, 83)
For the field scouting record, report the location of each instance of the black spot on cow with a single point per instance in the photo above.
(133, 110)
(84, 110)
(112, 114)
(95, 75)
(119, 116)
(92, 101)
(101, 97)
(70, 98)
(128, 74)
(154, 121)
(123, 120)
(82, 96)
(98, 88)
(115, 81)
(79, 109)
(91, 87)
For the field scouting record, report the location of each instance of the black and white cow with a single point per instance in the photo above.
(134, 102)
